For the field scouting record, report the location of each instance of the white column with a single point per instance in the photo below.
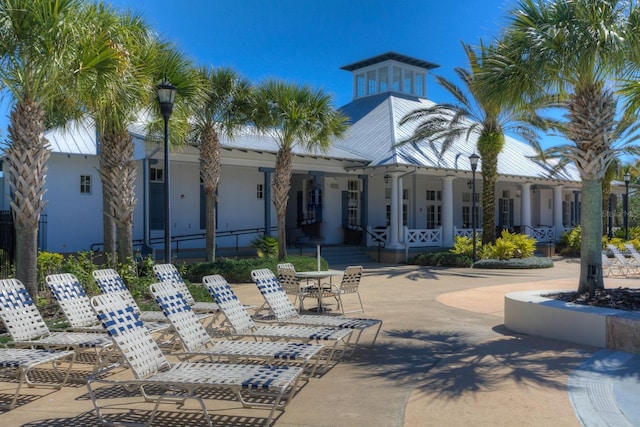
(557, 211)
(525, 208)
(447, 211)
(400, 207)
(394, 220)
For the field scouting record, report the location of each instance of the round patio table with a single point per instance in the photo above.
(318, 276)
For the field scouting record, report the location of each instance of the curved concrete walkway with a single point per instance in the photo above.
(443, 358)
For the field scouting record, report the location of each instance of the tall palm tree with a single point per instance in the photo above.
(296, 115)
(114, 105)
(575, 50)
(226, 106)
(48, 55)
(477, 114)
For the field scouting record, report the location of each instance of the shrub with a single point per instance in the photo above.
(464, 245)
(265, 246)
(443, 259)
(238, 270)
(569, 243)
(515, 263)
(48, 263)
(81, 265)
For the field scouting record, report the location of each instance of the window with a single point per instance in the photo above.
(434, 195)
(371, 82)
(353, 202)
(505, 212)
(407, 84)
(360, 85)
(156, 175)
(434, 216)
(467, 219)
(85, 184)
(260, 191)
(419, 84)
(383, 79)
(405, 202)
(397, 77)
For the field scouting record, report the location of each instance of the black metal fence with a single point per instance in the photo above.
(8, 242)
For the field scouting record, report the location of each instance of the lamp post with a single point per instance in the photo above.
(625, 205)
(473, 160)
(166, 97)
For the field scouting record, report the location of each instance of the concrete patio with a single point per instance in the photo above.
(443, 358)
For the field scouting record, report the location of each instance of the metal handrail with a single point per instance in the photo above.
(381, 243)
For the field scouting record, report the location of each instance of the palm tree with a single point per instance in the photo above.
(574, 50)
(296, 115)
(48, 55)
(114, 105)
(226, 106)
(475, 114)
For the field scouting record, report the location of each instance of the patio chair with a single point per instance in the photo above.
(285, 313)
(76, 305)
(239, 323)
(28, 329)
(196, 342)
(169, 273)
(630, 266)
(633, 252)
(291, 285)
(350, 284)
(255, 386)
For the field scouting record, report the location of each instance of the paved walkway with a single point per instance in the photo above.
(443, 359)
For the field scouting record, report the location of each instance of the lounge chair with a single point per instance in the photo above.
(611, 268)
(196, 342)
(20, 362)
(633, 252)
(285, 313)
(76, 305)
(28, 329)
(169, 273)
(274, 386)
(239, 323)
(630, 266)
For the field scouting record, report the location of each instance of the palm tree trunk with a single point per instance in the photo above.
(281, 187)
(27, 157)
(118, 179)
(108, 224)
(210, 172)
(490, 145)
(591, 238)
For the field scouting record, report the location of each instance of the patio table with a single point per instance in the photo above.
(318, 275)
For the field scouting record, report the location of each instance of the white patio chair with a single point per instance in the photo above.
(196, 342)
(350, 284)
(268, 387)
(17, 363)
(630, 266)
(28, 329)
(76, 305)
(239, 323)
(285, 313)
(291, 284)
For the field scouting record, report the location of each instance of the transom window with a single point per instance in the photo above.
(156, 175)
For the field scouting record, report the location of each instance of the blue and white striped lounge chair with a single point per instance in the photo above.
(255, 386)
(28, 329)
(76, 305)
(284, 312)
(239, 323)
(20, 361)
(169, 273)
(196, 342)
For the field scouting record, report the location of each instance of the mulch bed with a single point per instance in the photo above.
(620, 298)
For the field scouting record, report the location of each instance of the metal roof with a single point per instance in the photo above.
(375, 131)
(390, 56)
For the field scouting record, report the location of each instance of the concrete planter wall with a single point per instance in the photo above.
(528, 312)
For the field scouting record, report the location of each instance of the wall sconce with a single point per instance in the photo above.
(386, 179)
(469, 184)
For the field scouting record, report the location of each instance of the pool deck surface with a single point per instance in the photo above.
(443, 358)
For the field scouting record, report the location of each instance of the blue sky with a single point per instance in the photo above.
(307, 41)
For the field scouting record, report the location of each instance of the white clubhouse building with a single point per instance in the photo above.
(404, 195)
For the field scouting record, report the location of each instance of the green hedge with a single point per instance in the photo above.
(515, 263)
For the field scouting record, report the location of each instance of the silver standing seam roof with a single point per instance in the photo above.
(370, 142)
